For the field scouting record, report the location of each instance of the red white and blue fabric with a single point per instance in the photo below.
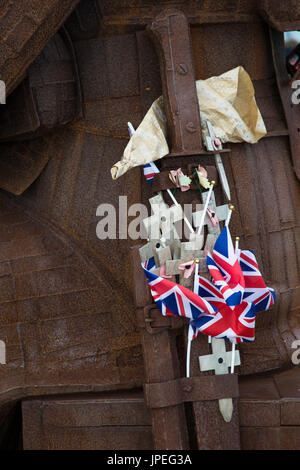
(215, 311)
(255, 290)
(234, 323)
(225, 269)
(149, 264)
(150, 169)
(174, 299)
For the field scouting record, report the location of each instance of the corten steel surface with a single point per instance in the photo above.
(68, 315)
(159, 348)
(68, 318)
(47, 99)
(26, 27)
(171, 33)
(111, 422)
(284, 84)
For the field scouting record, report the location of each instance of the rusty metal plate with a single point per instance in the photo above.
(24, 34)
(89, 422)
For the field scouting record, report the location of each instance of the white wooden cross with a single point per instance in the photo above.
(161, 223)
(161, 250)
(186, 254)
(221, 211)
(220, 361)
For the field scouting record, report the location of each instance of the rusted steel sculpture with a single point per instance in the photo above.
(171, 32)
(47, 99)
(68, 317)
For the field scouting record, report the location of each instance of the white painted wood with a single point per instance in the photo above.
(219, 361)
(161, 223)
(221, 211)
(219, 164)
(209, 192)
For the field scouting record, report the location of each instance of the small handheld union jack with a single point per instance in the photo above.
(238, 291)
(225, 269)
(225, 308)
(150, 169)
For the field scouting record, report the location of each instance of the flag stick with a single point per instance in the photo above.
(237, 250)
(196, 276)
(229, 215)
(205, 207)
(232, 358)
(188, 351)
(190, 334)
(237, 239)
(131, 132)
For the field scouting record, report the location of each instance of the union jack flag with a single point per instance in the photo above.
(225, 269)
(149, 264)
(234, 323)
(174, 299)
(149, 171)
(213, 310)
(256, 290)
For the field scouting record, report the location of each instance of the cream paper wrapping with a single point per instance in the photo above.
(227, 101)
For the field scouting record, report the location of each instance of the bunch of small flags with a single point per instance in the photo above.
(224, 307)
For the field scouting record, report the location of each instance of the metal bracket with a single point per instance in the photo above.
(151, 319)
(203, 388)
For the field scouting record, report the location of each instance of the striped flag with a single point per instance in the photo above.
(227, 306)
(150, 169)
(225, 269)
(174, 299)
(234, 323)
(256, 290)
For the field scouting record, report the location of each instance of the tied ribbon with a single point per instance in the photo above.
(213, 217)
(162, 272)
(202, 176)
(175, 176)
(216, 143)
(188, 267)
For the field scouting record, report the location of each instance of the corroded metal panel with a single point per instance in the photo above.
(68, 315)
(25, 33)
(90, 422)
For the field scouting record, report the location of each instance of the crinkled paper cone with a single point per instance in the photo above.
(227, 101)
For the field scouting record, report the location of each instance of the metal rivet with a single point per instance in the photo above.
(182, 69)
(190, 127)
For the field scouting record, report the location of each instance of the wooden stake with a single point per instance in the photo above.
(190, 333)
(231, 208)
(205, 207)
